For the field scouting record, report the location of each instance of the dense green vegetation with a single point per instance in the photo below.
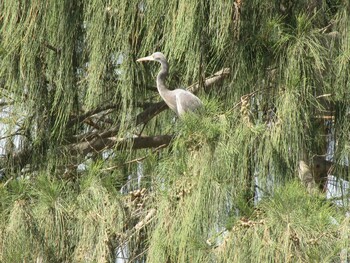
(93, 169)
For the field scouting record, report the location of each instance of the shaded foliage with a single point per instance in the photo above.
(75, 107)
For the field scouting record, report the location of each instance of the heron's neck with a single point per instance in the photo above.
(161, 77)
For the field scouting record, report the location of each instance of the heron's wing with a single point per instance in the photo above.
(186, 101)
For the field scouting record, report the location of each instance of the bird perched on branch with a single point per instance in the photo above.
(178, 100)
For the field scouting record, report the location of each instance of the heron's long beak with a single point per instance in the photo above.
(149, 58)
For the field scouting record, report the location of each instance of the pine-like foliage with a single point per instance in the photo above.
(92, 170)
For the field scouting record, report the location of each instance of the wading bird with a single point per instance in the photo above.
(179, 100)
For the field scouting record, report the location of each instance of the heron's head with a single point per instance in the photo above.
(157, 56)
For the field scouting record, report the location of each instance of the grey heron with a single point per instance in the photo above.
(178, 100)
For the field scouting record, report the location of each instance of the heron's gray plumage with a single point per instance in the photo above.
(178, 100)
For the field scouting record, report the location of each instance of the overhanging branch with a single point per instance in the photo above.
(99, 141)
(152, 111)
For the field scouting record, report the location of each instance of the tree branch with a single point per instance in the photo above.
(51, 47)
(152, 111)
(210, 81)
(99, 141)
(87, 114)
(100, 144)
